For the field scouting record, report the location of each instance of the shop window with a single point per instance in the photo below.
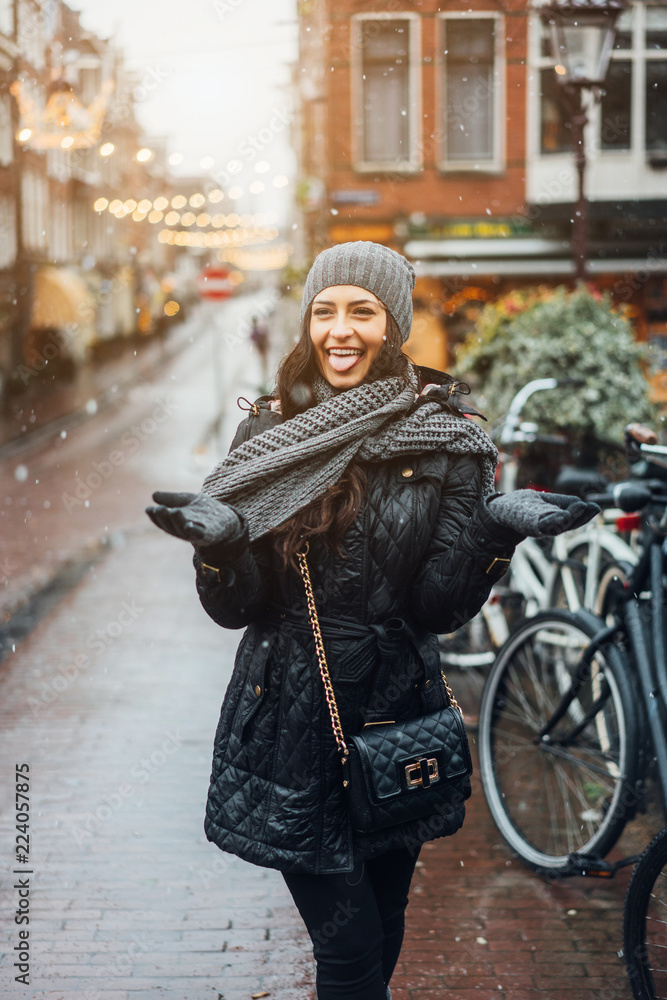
(386, 83)
(472, 89)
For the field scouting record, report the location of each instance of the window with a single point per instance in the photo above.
(385, 67)
(471, 82)
(6, 131)
(633, 109)
(555, 136)
(7, 18)
(616, 107)
(34, 194)
(655, 91)
(7, 232)
(30, 33)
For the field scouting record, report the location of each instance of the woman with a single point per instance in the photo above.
(369, 463)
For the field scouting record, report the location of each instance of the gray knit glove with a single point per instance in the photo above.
(531, 513)
(196, 517)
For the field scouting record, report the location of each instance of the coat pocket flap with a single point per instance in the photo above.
(254, 688)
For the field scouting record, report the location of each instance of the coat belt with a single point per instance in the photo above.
(389, 633)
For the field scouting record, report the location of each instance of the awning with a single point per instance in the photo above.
(505, 247)
(60, 299)
(643, 266)
(518, 257)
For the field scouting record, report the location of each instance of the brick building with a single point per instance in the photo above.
(437, 128)
(68, 137)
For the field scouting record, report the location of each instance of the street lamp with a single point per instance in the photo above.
(582, 34)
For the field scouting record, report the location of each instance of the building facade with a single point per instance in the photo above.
(71, 273)
(438, 129)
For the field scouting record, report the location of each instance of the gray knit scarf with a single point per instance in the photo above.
(277, 473)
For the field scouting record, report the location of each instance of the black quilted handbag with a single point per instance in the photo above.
(395, 772)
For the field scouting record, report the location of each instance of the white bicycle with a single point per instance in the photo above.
(572, 571)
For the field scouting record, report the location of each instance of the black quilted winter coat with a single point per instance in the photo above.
(419, 560)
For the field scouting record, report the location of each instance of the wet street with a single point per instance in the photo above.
(112, 700)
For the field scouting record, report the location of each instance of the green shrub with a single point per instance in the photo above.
(554, 332)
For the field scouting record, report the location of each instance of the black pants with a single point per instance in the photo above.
(356, 922)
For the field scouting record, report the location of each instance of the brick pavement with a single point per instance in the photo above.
(129, 900)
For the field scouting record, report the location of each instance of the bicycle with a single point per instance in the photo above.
(573, 718)
(572, 570)
(644, 922)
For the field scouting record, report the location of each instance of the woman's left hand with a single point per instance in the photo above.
(195, 517)
(531, 513)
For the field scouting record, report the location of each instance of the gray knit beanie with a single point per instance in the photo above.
(379, 270)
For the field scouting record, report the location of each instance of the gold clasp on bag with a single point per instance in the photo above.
(422, 773)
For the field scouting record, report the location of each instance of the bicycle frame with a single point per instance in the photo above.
(597, 538)
(647, 646)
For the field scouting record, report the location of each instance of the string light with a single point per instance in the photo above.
(227, 238)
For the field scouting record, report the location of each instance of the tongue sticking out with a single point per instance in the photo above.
(342, 362)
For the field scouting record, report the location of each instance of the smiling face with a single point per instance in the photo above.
(348, 326)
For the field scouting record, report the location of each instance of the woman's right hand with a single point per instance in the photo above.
(196, 517)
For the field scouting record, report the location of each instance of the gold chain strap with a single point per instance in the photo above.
(322, 661)
(450, 694)
(324, 667)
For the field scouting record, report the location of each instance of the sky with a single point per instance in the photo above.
(213, 77)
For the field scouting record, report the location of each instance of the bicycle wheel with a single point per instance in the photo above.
(470, 646)
(569, 585)
(645, 923)
(568, 790)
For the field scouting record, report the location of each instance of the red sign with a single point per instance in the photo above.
(214, 283)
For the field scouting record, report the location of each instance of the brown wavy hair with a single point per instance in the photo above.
(330, 515)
